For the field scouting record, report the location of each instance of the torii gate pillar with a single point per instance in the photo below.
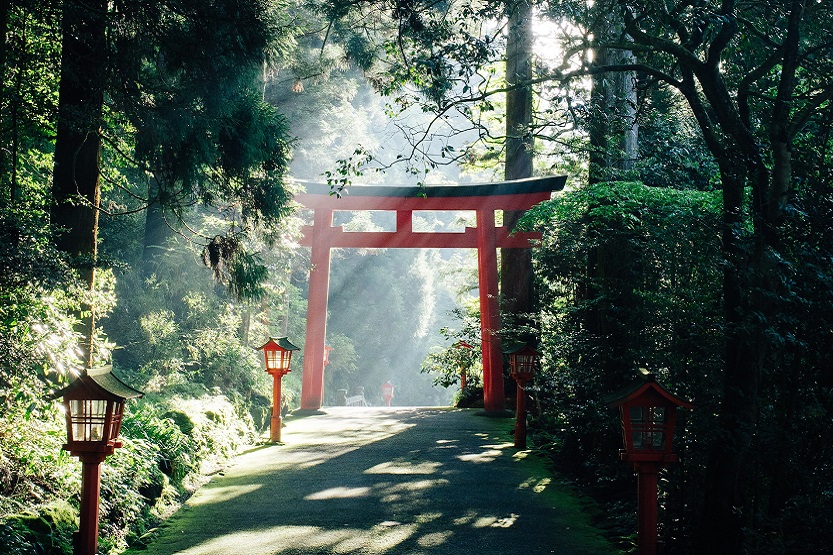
(493, 398)
(312, 382)
(486, 238)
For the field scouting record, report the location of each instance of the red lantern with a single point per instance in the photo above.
(522, 364)
(93, 405)
(462, 345)
(277, 354)
(648, 413)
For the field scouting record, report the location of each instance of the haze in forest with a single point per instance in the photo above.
(150, 152)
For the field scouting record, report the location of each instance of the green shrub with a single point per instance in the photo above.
(164, 439)
(48, 530)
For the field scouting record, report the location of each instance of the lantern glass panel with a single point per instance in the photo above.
(88, 419)
(523, 365)
(648, 428)
(277, 360)
(115, 424)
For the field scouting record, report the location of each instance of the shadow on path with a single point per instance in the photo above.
(401, 481)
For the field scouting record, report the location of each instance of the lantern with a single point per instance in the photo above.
(462, 345)
(522, 361)
(277, 354)
(93, 405)
(648, 414)
(387, 392)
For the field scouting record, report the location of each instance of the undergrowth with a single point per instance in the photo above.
(170, 445)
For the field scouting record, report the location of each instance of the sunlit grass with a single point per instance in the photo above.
(537, 485)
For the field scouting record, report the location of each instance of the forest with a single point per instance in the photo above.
(150, 151)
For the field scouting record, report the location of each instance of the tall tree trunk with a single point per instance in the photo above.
(14, 189)
(749, 287)
(612, 127)
(613, 130)
(75, 184)
(613, 136)
(158, 232)
(516, 264)
(726, 482)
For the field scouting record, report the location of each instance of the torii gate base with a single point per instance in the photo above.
(321, 236)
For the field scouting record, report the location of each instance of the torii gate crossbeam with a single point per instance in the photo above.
(483, 199)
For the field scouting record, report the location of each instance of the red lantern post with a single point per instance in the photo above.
(522, 364)
(93, 404)
(277, 354)
(387, 392)
(648, 414)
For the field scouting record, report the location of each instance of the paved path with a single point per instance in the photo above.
(398, 481)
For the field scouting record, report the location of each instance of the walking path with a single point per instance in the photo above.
(378, 480)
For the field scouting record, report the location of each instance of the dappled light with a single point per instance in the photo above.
(338, 493)
(495, 522)
(223, 494)
(381, 481)
(483, 457)
(536, 485)
(403, 467)
(292, 539)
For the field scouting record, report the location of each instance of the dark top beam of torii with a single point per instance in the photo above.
(483, 199)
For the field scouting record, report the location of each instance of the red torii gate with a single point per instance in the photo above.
(484, 199)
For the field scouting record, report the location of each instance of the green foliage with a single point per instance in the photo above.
(447, 364)
(31, 54)
(37, 294)
(33, 467)
(169, 444)
(164, 438)
(47, 531)
(131, 484)
(629, 278)
(671, 149)
(185, 123)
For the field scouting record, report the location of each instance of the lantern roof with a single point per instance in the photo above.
(647, 388)
(280, 342)
(462, 344)
(517, 348)
(99, 383)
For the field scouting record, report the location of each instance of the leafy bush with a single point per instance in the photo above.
(463, 354)
(48, 531)
(629, 278)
